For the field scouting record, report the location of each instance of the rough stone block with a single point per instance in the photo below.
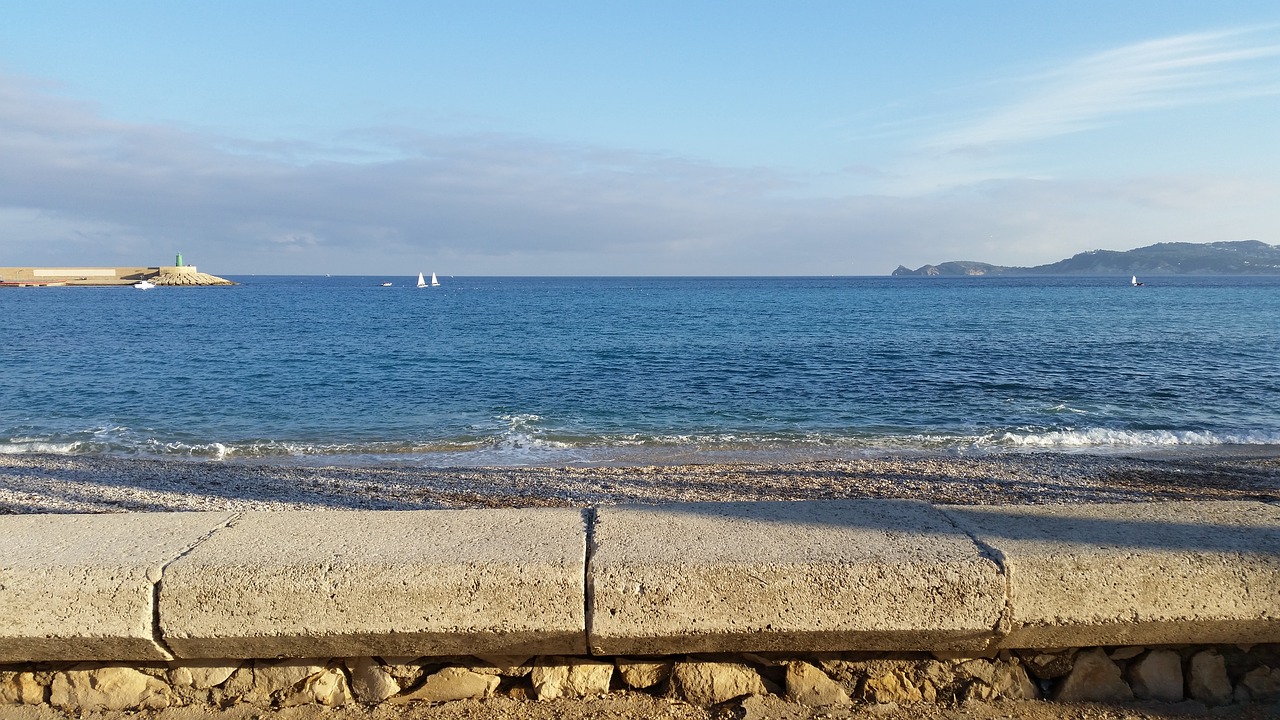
(1209, 682)
(81, 587)
(370, 683)
(358, 584)
(1261, 683)
(1095, 678)
(95, 689)
(452, 683)
(789, 576)
(1158, 676)
(642, 673)
(1136, 574)
(711, 683)
(808, 685)
(557, 677)
(20, 688)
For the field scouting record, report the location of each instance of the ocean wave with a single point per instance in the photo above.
(526, 439)
(524, 432)
(1113, 438)
(19, 446)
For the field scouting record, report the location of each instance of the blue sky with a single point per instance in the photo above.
(667, 138)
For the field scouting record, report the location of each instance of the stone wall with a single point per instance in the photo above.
(1212, 676)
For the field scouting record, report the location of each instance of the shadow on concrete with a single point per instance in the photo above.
(1236, 528)
(1243, 528)
(54, 483)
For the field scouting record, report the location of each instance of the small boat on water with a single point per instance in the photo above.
(422, 282)
(1134, 282)
(386, 284)
(144, 285)
(434, 281)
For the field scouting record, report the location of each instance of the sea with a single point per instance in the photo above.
(514, 371)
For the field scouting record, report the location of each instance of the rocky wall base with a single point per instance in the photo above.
(1212, 675)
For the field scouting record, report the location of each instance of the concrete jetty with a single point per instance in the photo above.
(171, 275)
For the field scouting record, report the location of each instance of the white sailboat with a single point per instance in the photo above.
(434, 281)
(422, 281)
(1134, 281)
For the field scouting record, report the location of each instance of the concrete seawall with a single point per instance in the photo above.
(800, 577)
(713, 577)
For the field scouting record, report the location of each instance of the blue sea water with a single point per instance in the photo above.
(511, 371)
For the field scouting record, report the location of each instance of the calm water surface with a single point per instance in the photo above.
(561, 370)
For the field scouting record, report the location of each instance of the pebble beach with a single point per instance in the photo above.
(44, 483)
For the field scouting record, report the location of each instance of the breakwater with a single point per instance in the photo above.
(824, 602)
(175, 275)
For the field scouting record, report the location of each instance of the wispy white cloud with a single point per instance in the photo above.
(1178, 71)
(77, 188)
(71, 178)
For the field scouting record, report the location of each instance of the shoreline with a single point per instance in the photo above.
(48, 483)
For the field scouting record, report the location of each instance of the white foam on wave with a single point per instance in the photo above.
(275, 449)
(523, 439)
(513, 439)
(527, 439)
(524, 433)
(1112, 438)
(20, 446)
(1065, 408)
(723, 440)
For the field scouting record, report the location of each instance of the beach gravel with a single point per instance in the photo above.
(35, 483)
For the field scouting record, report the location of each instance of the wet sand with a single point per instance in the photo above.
(96, 484)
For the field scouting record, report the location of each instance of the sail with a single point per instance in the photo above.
(422, 282)
(434, 281)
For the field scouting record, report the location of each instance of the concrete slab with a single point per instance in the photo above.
(791, 576)
(1136, 574)
(81, 587)
(358, 584)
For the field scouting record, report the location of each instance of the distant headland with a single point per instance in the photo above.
(176, 275)
(1243, 257)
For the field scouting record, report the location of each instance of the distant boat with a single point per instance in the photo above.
(144, 285)
(434, 281)
(422, 281)
(386, 284)
(1135, 282)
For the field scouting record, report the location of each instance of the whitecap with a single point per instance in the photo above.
(1113, 438)
(20, 446)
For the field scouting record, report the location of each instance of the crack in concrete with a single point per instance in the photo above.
(157, 635)
(1005, 622)
(588, 585)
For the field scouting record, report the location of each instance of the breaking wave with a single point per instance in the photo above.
(529, 440)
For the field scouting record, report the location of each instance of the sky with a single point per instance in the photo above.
(833, 137)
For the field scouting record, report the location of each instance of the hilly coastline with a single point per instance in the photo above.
(1243, 257)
